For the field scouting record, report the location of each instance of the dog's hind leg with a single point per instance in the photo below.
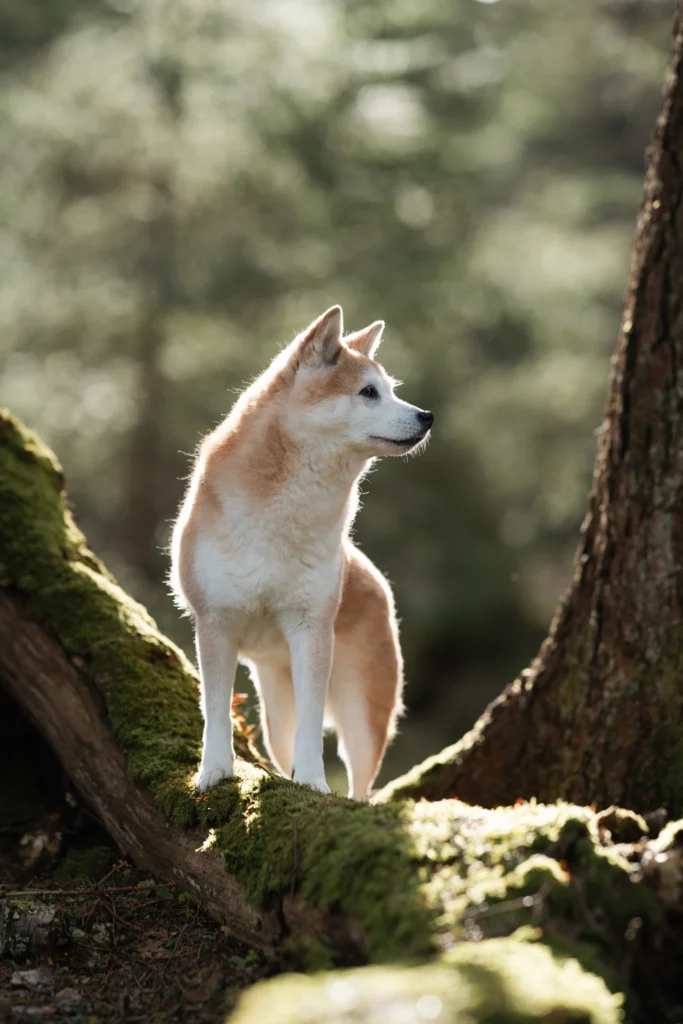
(364, 702)
(367, 675)
(278, 720)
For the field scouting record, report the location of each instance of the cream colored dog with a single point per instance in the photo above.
(262, 558)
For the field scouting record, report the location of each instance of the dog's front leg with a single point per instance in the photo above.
(311, 645)
(217, 656)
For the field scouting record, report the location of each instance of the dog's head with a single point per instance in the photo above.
(343, 396)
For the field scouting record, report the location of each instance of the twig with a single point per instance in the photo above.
(93, 910)
(108, 969)
(126, 924)
(92, 890)
(149, 903)
(507, 907)
(117, 867)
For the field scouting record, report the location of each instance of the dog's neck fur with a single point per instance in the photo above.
(325, 465)
(326, 478)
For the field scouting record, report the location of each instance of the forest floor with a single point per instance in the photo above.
(147, 953)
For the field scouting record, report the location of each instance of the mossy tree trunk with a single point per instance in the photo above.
(598, 717)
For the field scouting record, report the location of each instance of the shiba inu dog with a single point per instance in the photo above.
(261, 557)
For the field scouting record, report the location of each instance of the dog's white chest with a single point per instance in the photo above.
(257, 562)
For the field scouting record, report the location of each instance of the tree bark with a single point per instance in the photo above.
(598, 717)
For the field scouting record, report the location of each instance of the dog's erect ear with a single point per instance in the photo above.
(366, 341)
(321, 342)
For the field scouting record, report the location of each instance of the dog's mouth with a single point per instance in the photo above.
(401, 442)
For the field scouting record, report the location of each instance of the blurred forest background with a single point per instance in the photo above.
(184, 184)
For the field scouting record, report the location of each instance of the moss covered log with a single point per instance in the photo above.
(318, 880)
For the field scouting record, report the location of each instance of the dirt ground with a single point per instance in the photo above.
(146, 954)
(118, 945)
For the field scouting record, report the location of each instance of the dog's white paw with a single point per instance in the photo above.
(317, 781)
(211, 774)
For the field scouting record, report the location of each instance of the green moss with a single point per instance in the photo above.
(90, 864)
(493, 870)
(493, 982)
(428, 876)
(429, 771)
(622, 825)
(670, 838)
(335, 853)
(304, 953)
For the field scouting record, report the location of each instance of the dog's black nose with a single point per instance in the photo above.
(425, 418)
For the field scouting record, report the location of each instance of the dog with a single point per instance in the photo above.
(262, 558)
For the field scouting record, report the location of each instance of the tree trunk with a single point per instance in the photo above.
(598, 717)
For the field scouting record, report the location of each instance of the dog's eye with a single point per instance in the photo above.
(369, 391)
